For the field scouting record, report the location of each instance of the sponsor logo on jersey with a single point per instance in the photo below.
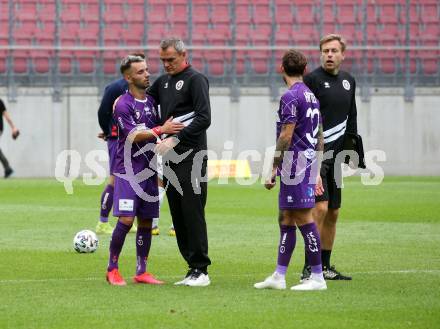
(309, 154)
(326, 85)
(121, 124)
(346, 84)
(141, 126)
(179, 84)
(126, 205)
(137, 114)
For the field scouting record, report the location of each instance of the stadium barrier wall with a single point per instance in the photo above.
(406, 131)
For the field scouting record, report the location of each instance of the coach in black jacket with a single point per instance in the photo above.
(183, 93)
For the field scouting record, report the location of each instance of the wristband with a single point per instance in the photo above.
(157, 131)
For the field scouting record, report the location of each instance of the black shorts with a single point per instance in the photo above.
(332, 193)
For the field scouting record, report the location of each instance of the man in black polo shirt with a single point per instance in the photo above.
(335, 90)
(183, 93)
(15, 133)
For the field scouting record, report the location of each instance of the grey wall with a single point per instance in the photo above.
(406, 131)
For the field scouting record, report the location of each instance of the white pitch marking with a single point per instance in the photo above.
(216, 276)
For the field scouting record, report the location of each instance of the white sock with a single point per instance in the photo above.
(161, 195)
(317, 276)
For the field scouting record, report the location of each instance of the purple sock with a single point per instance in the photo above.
(116, 243)
(286, 247)
(143, 244)
(106, 203)
(312, 246)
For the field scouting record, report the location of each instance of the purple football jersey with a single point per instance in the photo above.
(133, 114)
(299, 105)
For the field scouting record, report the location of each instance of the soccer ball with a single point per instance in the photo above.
(85, 241)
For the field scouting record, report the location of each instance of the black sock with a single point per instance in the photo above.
(4, 161)
(325, 257)
(306, 263)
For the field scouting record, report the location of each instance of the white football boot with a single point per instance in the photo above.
(275, 281)
(309, 284)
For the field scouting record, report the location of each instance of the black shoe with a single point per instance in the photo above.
(332, 274)
(307, 271)
(8, 172)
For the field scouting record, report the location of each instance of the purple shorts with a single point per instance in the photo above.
(297, 196)
(127, 202)
(112, 146)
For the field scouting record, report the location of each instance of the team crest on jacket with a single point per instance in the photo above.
(346, 84)
(179, 84)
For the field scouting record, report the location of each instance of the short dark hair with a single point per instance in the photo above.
(332, 37)
(294, 63)
(131, 58)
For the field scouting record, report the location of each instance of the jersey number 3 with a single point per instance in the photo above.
(312, 113)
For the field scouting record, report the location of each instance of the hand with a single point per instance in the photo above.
(170, 127)
(271, 181)
(166, 145)
(101, 135)
(15, 133)
(319, 189)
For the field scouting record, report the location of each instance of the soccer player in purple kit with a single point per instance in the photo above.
(110, 135)
(299, 136)
(137, 118)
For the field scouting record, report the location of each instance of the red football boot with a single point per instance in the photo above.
(114, 278)
(147, 278)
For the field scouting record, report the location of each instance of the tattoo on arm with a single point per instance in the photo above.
(283, 143)
(320, 145)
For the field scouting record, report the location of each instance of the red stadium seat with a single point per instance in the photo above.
(65, 62)
(135, 12)
(3, 60)
(430, 62)
(283, 14)
(41, 61)
(25, 11)
(388, 62)
(348, 13)
(430, 12)
(90, 11)
(240, 63)
(200, 14)
(157, 13)
(262, 14)
(260, 61)
(46, 11)
(304, 12)
(86, 61)
(220, 13)
(198, 63)
(20, 61)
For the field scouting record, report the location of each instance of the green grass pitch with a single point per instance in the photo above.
(388, 239)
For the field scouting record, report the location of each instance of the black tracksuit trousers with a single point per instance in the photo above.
(188, 214)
